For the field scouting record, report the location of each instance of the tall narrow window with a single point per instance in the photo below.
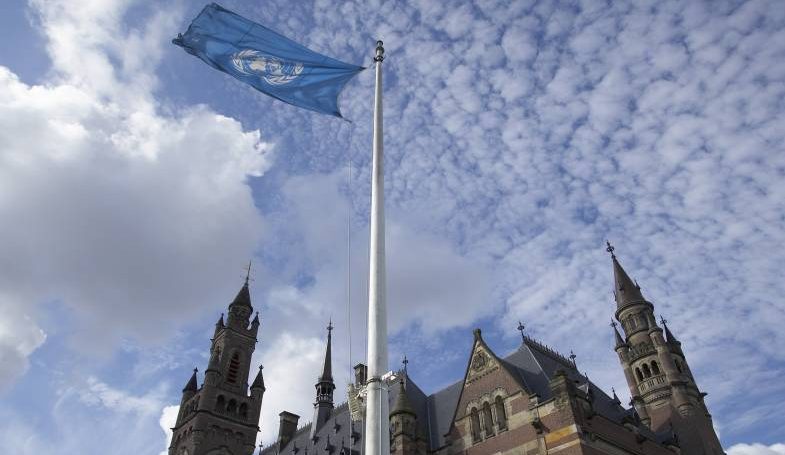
(638, 374)
(655, 368)
(487, 417)
(501, 415)
(231, 407)
(646, 371)
(475, 421)
(244, 411)
(219, 403)
(234, 368)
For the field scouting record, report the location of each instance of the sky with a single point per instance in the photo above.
(136, 183)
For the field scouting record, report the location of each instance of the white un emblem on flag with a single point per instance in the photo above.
(271, 69)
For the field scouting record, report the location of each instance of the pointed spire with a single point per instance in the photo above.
(615, 397)
(619, 340)
(255, 319)
(327, 369)
(521, 328)
(220, 322)
(243, 297)
(192, 385)
(625, 290)
(402, 404)
(669, 338)
(258, 383)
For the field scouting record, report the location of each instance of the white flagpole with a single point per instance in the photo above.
(377, 433)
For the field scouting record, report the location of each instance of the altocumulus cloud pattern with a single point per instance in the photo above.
(519, 135)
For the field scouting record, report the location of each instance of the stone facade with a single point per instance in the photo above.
(532, 401)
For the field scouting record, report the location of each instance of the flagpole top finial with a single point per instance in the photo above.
(379, 51)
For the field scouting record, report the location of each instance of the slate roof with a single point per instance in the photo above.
(533, 363)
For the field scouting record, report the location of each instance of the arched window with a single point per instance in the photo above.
(220, 403)
(475, 421)
(654, 367)
(487, 417)
(231, 407)
(646, 371)
(234, 368)
(638, 374)
(244, 410)
(501, 415)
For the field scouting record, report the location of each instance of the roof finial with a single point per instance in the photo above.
(572, 357)
(610, 249)
(248, 273)
(330, 325)
(405, 363)
(521, 328)
(663, 321)
(613, 323)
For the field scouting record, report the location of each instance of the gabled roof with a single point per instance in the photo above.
(533, 365)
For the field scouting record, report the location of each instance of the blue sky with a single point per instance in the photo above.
(136, 182)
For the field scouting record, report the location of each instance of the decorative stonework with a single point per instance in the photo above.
(481, 364)
(480, 361)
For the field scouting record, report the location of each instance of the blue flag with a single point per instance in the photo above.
(269, 62)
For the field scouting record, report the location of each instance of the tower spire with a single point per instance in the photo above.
(669, 338)
(324, 388)
(192, 384)
(625, 290)
(327, 368)
(619, 340)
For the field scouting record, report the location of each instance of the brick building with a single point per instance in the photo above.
(532, 401)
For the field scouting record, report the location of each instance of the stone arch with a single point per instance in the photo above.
(220, 403)
(646, 371)
(243, 410)
(475, 424)
(231, 408)
(501, 414)
(638, 374)
(655, 369)
(487, 417)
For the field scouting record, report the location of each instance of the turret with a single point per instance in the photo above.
(403, 424)
(190, 388)
(257, 387)
(324, 388)
(655, 368)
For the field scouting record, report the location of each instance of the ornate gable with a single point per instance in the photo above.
(482, 362)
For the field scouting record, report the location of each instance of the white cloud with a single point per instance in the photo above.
(292, 365)
(98, 393)
(167, 421)
(122, 208)
(19, 337)
(757, 449)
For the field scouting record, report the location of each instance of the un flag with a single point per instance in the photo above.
(271, 63)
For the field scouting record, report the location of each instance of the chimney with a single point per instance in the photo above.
(360, 374)
(287, 426)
